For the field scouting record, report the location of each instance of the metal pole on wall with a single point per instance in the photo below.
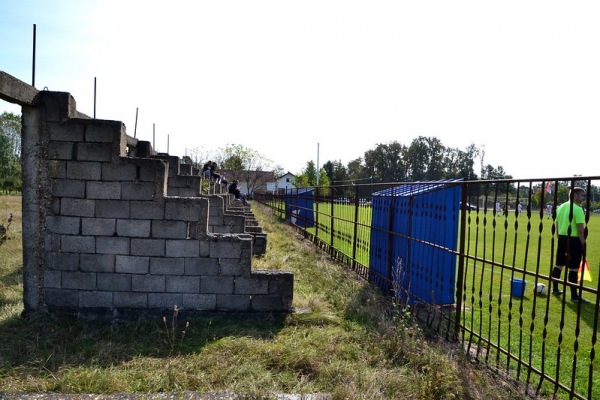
(135, 127)
(153, 137)
(94, 97)
(33, 65)
(318, 164)
(168, 136)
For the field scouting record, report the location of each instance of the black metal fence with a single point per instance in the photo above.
(491, 248)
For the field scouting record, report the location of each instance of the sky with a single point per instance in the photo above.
(320, 81)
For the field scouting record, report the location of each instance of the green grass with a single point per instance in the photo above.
(351, 342)
(543, 331)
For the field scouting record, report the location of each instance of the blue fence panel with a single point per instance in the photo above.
(299, 207)
(422, 233)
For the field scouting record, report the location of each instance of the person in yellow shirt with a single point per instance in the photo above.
(570, 227)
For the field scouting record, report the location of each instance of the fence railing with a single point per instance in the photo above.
(473, 260)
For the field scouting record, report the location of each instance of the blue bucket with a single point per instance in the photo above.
(518, 287)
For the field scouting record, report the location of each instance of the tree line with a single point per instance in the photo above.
(10, 153)
(425, 159)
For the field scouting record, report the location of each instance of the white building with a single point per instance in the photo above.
(285, 182)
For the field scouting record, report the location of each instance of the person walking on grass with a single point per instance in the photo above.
(570, 226)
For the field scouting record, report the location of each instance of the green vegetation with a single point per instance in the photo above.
(10, 153)
(345, 340)
(547, 333)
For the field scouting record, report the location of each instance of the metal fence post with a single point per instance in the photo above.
(460, 276)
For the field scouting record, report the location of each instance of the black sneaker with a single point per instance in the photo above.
(580, 300)
(557, 292)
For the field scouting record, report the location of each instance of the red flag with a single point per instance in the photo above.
(549, 187)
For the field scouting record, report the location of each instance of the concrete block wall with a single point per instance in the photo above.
(225, 215)
(108, 237)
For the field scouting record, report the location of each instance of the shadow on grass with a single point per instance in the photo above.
(45, 341)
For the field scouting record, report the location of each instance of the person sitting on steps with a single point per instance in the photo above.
(213, 172)
(233, 189)
(206, 171)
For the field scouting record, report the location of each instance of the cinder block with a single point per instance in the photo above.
(104, 190)
(88, 299)
(225, 248)
(233, 302)
(98, 226)
(151, 170)
(265, 303)
(216, 284)
(77, 244)
(132, 264)
(235, 266)
(251, 285)
(138, 191)
(201, 266)
(183, 284)
(199, 230)
(236, 222)
(114, 282)
(204, 248)
(167, 266)
(148, 283)
(169, 229)
(148, 209)
(130, 300)
(259, 245)
(133, 227)
(97, 262)
(77, 207)
(183, 248)
(60, 150)
(94, 152)
(52, 242)
(148, 247)
(221, 229)
(58, 169)
(119, 172)
(112, 245)
(103, 131)
(188, 192)
(91, 171)
(280, 282)
(68, 188)
(112, 209)
(164, 300)
(69, 132)
(199, 301)
(61, 298)
(185, 169)
(52, 279)
(55, 205)
(61, 224)
(79, 280)
(186, 209)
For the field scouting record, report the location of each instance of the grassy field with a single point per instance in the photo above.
(345, 340)
(549, 333)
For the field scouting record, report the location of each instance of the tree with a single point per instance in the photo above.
(357, 170)
(308, 177)
(386, 162)
(459, 164)
(246, 165)
(425, 159)
(336, 172)
(10, 152)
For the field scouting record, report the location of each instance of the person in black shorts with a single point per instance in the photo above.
(570, 226)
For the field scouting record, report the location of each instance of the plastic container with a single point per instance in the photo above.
(518, 287)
